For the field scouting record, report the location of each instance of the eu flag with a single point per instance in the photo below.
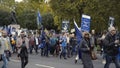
(78, 33)
(39, 18)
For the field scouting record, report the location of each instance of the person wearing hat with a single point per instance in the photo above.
(85, 47)
(111, 48)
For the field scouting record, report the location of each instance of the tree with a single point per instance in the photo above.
(27, 13)
(97, 9)
(100, 11)
(67, 10)
(48, 21)
(4, 15)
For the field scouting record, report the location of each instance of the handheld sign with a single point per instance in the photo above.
(85, 24)
(111, 21)
(65, 26)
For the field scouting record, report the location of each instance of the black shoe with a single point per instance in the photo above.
(75, 61)
(60, 57)
(37, 53)
(65, 58)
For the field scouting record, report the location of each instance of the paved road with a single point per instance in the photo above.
(36, 61)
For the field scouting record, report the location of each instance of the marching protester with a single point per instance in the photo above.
(53, 42)
(74, 48)
(118, 37)
(94, 45)
(5, 47)
(32, 43)
(85, 47)
(13, 43)
(73, 43)
(18, 45)
(57, 47)
(19, 42)
(68, 45)
(101, 44)
(24, 52)
(46, 47)
(8, 50)
(42, 42)
(111, 48)
(63, 41)
(36, 44)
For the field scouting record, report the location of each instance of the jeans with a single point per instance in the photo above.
(63, 53)
(110, 59)
(8, 54)
(4, 61)
(14, 48)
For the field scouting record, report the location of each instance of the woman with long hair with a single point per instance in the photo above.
(85, 47)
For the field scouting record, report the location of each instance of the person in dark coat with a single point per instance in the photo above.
(85, 47)
(23, 54)
(111, 48)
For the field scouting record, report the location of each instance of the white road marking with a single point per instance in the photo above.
(45, 66)
(14, 60)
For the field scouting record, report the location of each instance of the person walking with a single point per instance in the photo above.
(101, 44)
(53, 41)
(46, 47)
(36, 44)
(4, 47)
(111, 48)
(63, 45)
(85, 47)
(24, 53)
(18, 45)
(8, 49)
(68, 45)
(32, 44)
(94, 45)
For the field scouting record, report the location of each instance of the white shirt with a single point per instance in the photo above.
(36, 39)
(68, 40)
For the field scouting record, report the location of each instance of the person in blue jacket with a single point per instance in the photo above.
(63, 45)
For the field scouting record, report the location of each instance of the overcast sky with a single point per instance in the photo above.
(18, 0)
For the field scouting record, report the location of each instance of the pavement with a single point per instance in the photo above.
(36, 61)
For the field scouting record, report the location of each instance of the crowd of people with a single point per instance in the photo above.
(62, 45)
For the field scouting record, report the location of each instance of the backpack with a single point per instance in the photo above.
(23, 52)
(13, 42)
(52, 41)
